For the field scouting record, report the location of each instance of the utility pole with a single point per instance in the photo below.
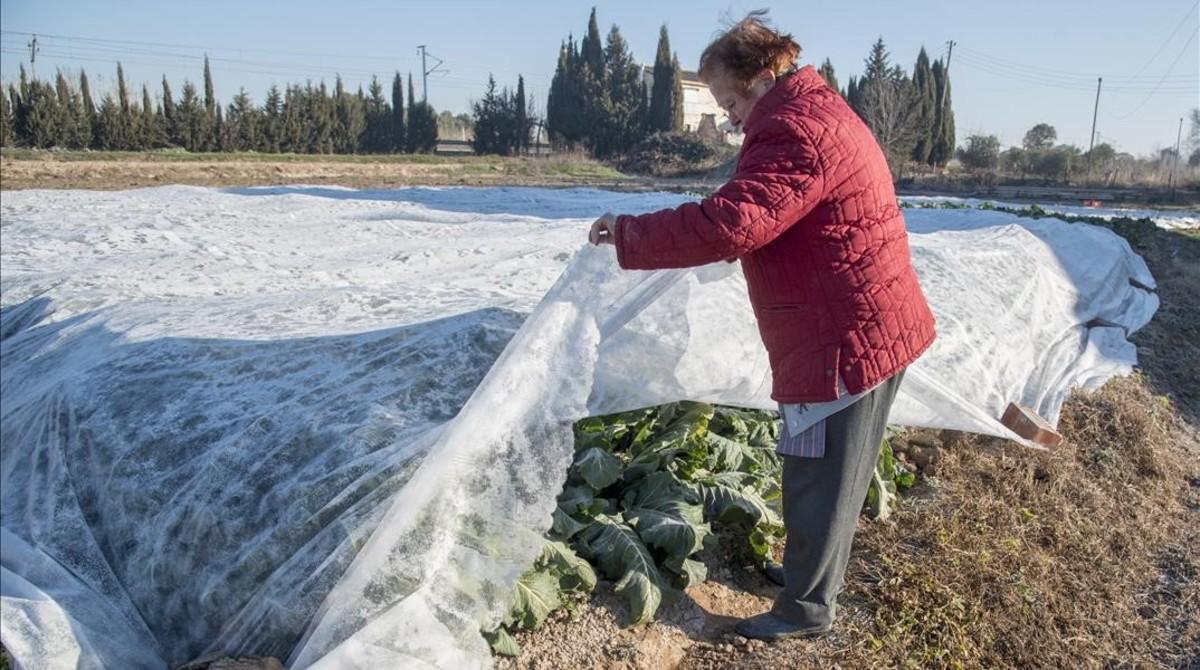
(33, 51)
(1095, 111)
(1171, 179)
(949, 52)
(426, 71)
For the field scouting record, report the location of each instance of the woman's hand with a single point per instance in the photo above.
(604, 230)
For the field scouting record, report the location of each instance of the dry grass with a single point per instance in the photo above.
(1086, 556)
(22, 169)
(1068, 558)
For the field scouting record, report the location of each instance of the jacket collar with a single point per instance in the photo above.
(786, 88)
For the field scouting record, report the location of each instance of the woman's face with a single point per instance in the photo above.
(736, 100)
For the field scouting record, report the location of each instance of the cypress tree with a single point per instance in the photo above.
(210, 103)
(377, 139)
(152, 136)
(399, 143)
(172, 135)
(676, 94)
(486, 119)
(19, 94)
(413, 128)
(522, 117)
(14, 104)
(324, 119)
(222, 134)
(67, 113)
(109, 124)
(593, 89)
(272, 125)
(358, 120)
(577, 123)
(924, 91)
(558, 103)
(826, 71)
(943, 144)
(192, 126)
(422, 124)
(242, 120)
(621, 127)
(41, 114)
(291, 137)
(852, 95)
(592, 51)
(6, 120)
(88, 121)
(349, 119)
(662, 110)
(123, 136)
(341, 119)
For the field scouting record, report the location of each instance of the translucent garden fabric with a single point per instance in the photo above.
(245, 425)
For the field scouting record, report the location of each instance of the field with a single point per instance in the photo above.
(22, 168)
(999, 556)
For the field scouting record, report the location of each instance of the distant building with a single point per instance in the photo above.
(698, 103)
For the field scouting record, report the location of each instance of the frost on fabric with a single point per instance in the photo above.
(330, 425)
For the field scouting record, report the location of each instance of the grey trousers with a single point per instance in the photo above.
(822, 498)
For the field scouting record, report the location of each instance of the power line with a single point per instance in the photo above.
(1049, 81)
(1178, 24)
(135, 46)
(1169, 70)
(210, 48)
(1063, 75)
(160, 59)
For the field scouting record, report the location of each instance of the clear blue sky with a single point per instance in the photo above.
(1016, 63)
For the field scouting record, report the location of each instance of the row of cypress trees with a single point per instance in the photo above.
(598, 98)
(912, 116)
(298, 119)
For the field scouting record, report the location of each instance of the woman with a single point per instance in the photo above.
(811, 214)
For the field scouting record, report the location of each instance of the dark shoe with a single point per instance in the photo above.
(771, 628)
(774, 573)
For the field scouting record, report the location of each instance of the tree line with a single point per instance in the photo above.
(598, 98)
(910, 115)
(297, 119)
(1041, 157)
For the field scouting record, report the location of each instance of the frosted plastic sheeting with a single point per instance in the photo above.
(1173, 219)
(279, 421)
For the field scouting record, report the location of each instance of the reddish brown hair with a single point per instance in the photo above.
(749, 47)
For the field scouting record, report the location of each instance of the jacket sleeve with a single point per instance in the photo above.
(779, 180)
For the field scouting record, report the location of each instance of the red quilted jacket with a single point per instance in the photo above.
(813, 217)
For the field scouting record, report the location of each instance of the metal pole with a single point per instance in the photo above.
(949, 53)
(1095, 111)
(1171, 179)
(33, 50)
(424, 76)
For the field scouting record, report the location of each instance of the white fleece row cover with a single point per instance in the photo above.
(330, 425)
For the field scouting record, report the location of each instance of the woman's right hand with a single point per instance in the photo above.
(604, 230)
